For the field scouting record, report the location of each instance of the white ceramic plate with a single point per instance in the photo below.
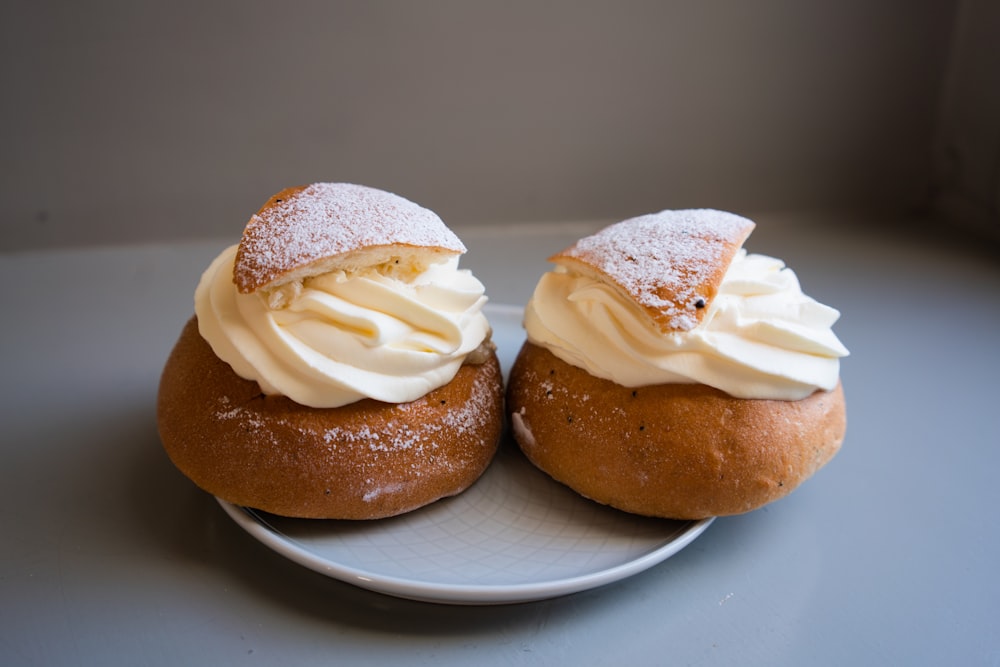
(514, 536)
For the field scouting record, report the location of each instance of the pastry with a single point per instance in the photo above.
(669, 373)
(338, 364)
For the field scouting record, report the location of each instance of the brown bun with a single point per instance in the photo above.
(366, 460)
(683, 451)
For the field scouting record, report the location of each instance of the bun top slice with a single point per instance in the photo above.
(311, 230)
(669, 263)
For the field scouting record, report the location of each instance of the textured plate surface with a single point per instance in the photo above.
(514, 536)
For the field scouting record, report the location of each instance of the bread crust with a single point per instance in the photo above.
(683, 451)
(366, 460)
(310, 230)
(670, 264)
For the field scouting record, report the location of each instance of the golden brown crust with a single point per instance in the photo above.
(670, 263)
(312, 229)
(681, 451)
(366, 460)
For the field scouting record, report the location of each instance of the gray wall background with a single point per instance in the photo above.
(125, 121)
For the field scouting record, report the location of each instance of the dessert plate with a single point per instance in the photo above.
(514, 536)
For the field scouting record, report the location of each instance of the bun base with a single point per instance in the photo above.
(367, 460)
(680, 451)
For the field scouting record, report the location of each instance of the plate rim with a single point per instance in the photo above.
(469, 594)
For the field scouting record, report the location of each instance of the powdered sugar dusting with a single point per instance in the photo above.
(469, 416)
(300, 226)
(407, 449)
(399, 436)
(670, 263)
(373, 493)
(546, 396)
(521, 429)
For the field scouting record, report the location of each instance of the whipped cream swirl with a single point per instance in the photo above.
(761, 337)
(390, 336)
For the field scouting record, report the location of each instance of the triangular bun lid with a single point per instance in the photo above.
(669, 263)
(310, 230)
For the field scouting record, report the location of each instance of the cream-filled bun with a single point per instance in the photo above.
(338, 364)
(667, 372)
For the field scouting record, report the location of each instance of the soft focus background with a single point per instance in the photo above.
(125, 121)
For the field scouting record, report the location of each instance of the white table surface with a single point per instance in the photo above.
(888, 556)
